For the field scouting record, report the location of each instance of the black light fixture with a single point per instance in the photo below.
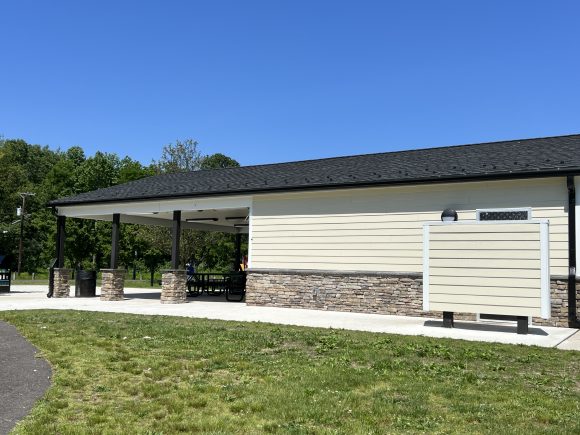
(241, 225)
(201, 219)
(449, 215)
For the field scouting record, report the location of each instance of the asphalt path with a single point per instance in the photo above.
(24, 377)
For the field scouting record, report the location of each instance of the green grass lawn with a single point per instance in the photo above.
(122, 373)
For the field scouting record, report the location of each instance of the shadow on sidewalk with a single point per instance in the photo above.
(485, 327)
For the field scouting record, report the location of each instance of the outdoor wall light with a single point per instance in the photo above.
(449, 215)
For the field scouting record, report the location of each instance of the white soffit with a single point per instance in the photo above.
(157, 206)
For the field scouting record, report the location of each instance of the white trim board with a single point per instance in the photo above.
(250, 233)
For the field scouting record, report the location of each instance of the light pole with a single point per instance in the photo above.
(22, 212)
(135, 267)
(4, 237)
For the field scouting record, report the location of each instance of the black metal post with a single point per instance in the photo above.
(572, 311)
(115, 241)
(20, 242)
(448, 319)
(175, 236)
(60, 238)
(238, 252)
(135, 267)
(522, 325)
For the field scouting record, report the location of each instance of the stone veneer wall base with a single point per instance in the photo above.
(113, 284)
(367, 292)
(61, 283)
(174, 287)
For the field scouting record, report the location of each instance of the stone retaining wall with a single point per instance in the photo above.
(381, 293)
(173, 287)
(61, 287)
(113, 284)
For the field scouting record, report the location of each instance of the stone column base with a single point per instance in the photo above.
(61, 283)
(113, 284)
(173, 287)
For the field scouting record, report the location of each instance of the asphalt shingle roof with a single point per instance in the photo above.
(550, 156)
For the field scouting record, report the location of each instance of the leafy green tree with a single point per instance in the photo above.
(131, 170)
(97, 172)
(217, 161)
(23, 167)
(54, 174)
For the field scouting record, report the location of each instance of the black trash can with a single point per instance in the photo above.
(85, 283)
(5, 278)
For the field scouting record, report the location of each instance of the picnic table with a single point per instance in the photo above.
(233, 284)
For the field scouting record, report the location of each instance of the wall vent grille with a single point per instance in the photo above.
(515, 214)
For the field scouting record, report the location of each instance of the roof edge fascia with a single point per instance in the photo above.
(324, 187)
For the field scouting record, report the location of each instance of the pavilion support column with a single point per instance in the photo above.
(60, 238)
(238, 259)
(60, 280)
(175, 238)
(115, 241)
(174, 281)
(113, 279)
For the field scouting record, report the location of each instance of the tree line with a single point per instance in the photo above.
(51, 174)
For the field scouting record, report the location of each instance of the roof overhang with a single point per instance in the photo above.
(225, 214)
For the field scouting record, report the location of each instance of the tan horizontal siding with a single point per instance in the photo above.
(342, 232)
(386, 225)
(342, 262)
(482, 291)
(558, 263)
(486, 309)
(373, 227)
(507, 255)
(514, 281)
(532, 236)
(353, 265)
(460, 244)
(490, 272)
(507, 301)
(318, 239)
(356, 248)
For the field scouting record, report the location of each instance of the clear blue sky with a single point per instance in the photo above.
(268, 81)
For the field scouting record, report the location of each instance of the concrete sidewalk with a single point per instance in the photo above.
(146, 301)
(25, 377)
